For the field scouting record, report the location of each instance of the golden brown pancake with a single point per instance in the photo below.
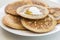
(56, 13)
(24, 12)
(39, 2)
(11, 8)
(40, 26)
(12, 22)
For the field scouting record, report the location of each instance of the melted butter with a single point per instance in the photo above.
(28, 12)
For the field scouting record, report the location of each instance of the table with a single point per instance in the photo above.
(4, 35)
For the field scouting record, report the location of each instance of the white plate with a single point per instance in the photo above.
(23, 33)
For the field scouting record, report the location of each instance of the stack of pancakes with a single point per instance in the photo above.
(15, 21)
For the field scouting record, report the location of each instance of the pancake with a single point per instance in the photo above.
(39, 2)
(13, 22)
(11, 8)
(33, 11)
(56, 13)
(40, 26)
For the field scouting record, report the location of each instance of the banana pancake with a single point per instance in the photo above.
(56, 13)
(40, 26)
(12, 22)
(39, 2)
(11, 8)
(33, 11)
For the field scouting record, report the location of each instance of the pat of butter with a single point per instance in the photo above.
(35, 11)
